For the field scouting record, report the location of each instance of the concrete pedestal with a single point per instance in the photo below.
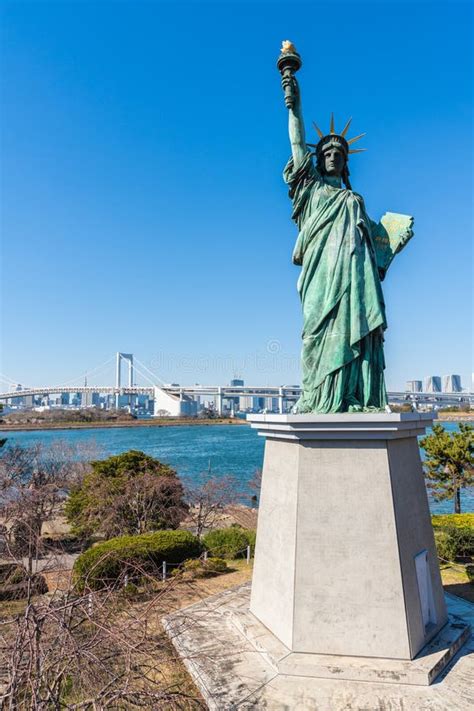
(345, 560)
(346, 611)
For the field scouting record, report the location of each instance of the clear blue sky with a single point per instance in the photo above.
(143, 208)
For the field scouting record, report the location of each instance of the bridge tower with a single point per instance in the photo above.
(128, 357)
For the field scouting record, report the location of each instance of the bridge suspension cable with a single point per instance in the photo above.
(142, 375)
(87, 374)
(156, 378)
(8, 380)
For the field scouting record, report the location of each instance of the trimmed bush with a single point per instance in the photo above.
(456, 531)
(465, 520)
(102, 565)
(199, 568)
(463, 540)
(215, 565)
(445, 546)
(129, 493)
(193, 567)
(454, 535)
(229, 542)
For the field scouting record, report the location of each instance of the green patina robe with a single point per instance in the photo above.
(339, 285)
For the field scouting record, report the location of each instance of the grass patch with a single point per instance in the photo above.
(456, 582)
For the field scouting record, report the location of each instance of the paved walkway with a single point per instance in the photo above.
(61, 561)
(233, 675)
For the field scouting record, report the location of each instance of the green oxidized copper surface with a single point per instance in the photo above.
(343, 256)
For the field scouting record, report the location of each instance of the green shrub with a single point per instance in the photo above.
(251, 537)
(105, 563)
(215, 565)
(130, 591)
(199, 568)
(194, 567)
(470, 573)
(229, 542)
(465, 520)
(456, 531)
(129, 493)
(445, 545)
(463, 539)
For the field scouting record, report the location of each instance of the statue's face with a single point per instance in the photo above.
(334, 160)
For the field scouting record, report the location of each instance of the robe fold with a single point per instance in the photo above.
(341, 295)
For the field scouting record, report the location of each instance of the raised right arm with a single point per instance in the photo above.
(295, 119)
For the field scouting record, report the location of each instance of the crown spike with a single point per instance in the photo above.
(356, 138)
(318, 130)
(346, 127)
(357, 150)
(331, 125)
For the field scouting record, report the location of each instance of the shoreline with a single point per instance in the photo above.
(32, 426)
(455, 417)
(192, 422)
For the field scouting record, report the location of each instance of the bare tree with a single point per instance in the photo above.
(92, 651)
(34, 481)
(75, 648)
(207, 499)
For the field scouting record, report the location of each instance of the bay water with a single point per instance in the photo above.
(235, 450)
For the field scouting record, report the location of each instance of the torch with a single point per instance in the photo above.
(288, 63)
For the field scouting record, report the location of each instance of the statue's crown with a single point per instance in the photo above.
(336, 139)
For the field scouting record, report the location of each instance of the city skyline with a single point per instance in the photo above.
(447, 383)
(120, 173)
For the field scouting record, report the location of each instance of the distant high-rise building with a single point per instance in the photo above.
(86, 399)
(18, 400)
(258, 403)
(271, 404)
(236, 401)
(414, 386)
(452, 384)
(245, 403)
(65, 399)
(197, 398)
(433, 384)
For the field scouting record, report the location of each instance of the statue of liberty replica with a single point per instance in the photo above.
(344, 256)
(346, 584)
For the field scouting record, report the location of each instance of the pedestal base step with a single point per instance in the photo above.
(233, 673)
(422, 670)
